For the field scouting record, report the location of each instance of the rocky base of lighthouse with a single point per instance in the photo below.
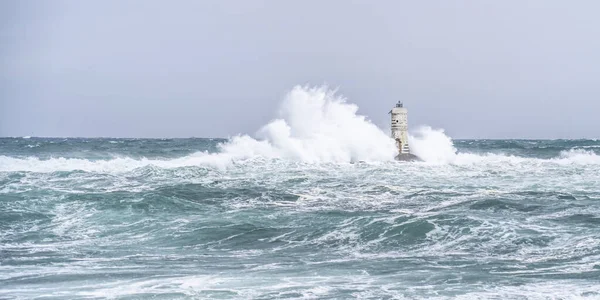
(407, 157)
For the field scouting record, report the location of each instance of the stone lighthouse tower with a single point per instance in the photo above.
(400, 131)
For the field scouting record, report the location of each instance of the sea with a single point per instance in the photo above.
(311, 206)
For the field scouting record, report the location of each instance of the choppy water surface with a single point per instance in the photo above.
(313, 207)
(185, 218)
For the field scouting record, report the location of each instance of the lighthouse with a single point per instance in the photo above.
(400, 131)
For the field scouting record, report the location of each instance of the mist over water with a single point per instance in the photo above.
(311, 206)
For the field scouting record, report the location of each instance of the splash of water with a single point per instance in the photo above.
(316, 125)
(432, 145)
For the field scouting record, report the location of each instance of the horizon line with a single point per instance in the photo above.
(227, 138)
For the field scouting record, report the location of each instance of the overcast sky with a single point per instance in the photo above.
(479, 69)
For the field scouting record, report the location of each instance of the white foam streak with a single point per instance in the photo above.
(435, 147)
(579, 156)
(116, 165)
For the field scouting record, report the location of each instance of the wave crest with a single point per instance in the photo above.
(316, 125)
(432, 145)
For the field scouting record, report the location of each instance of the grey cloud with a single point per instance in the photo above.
(479, 69)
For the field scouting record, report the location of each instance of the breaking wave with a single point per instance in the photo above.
(432, 145)
(314, 125)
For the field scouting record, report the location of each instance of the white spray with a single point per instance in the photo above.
(316, 125)
(432, 145)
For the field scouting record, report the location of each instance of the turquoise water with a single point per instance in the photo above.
(186, 219)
